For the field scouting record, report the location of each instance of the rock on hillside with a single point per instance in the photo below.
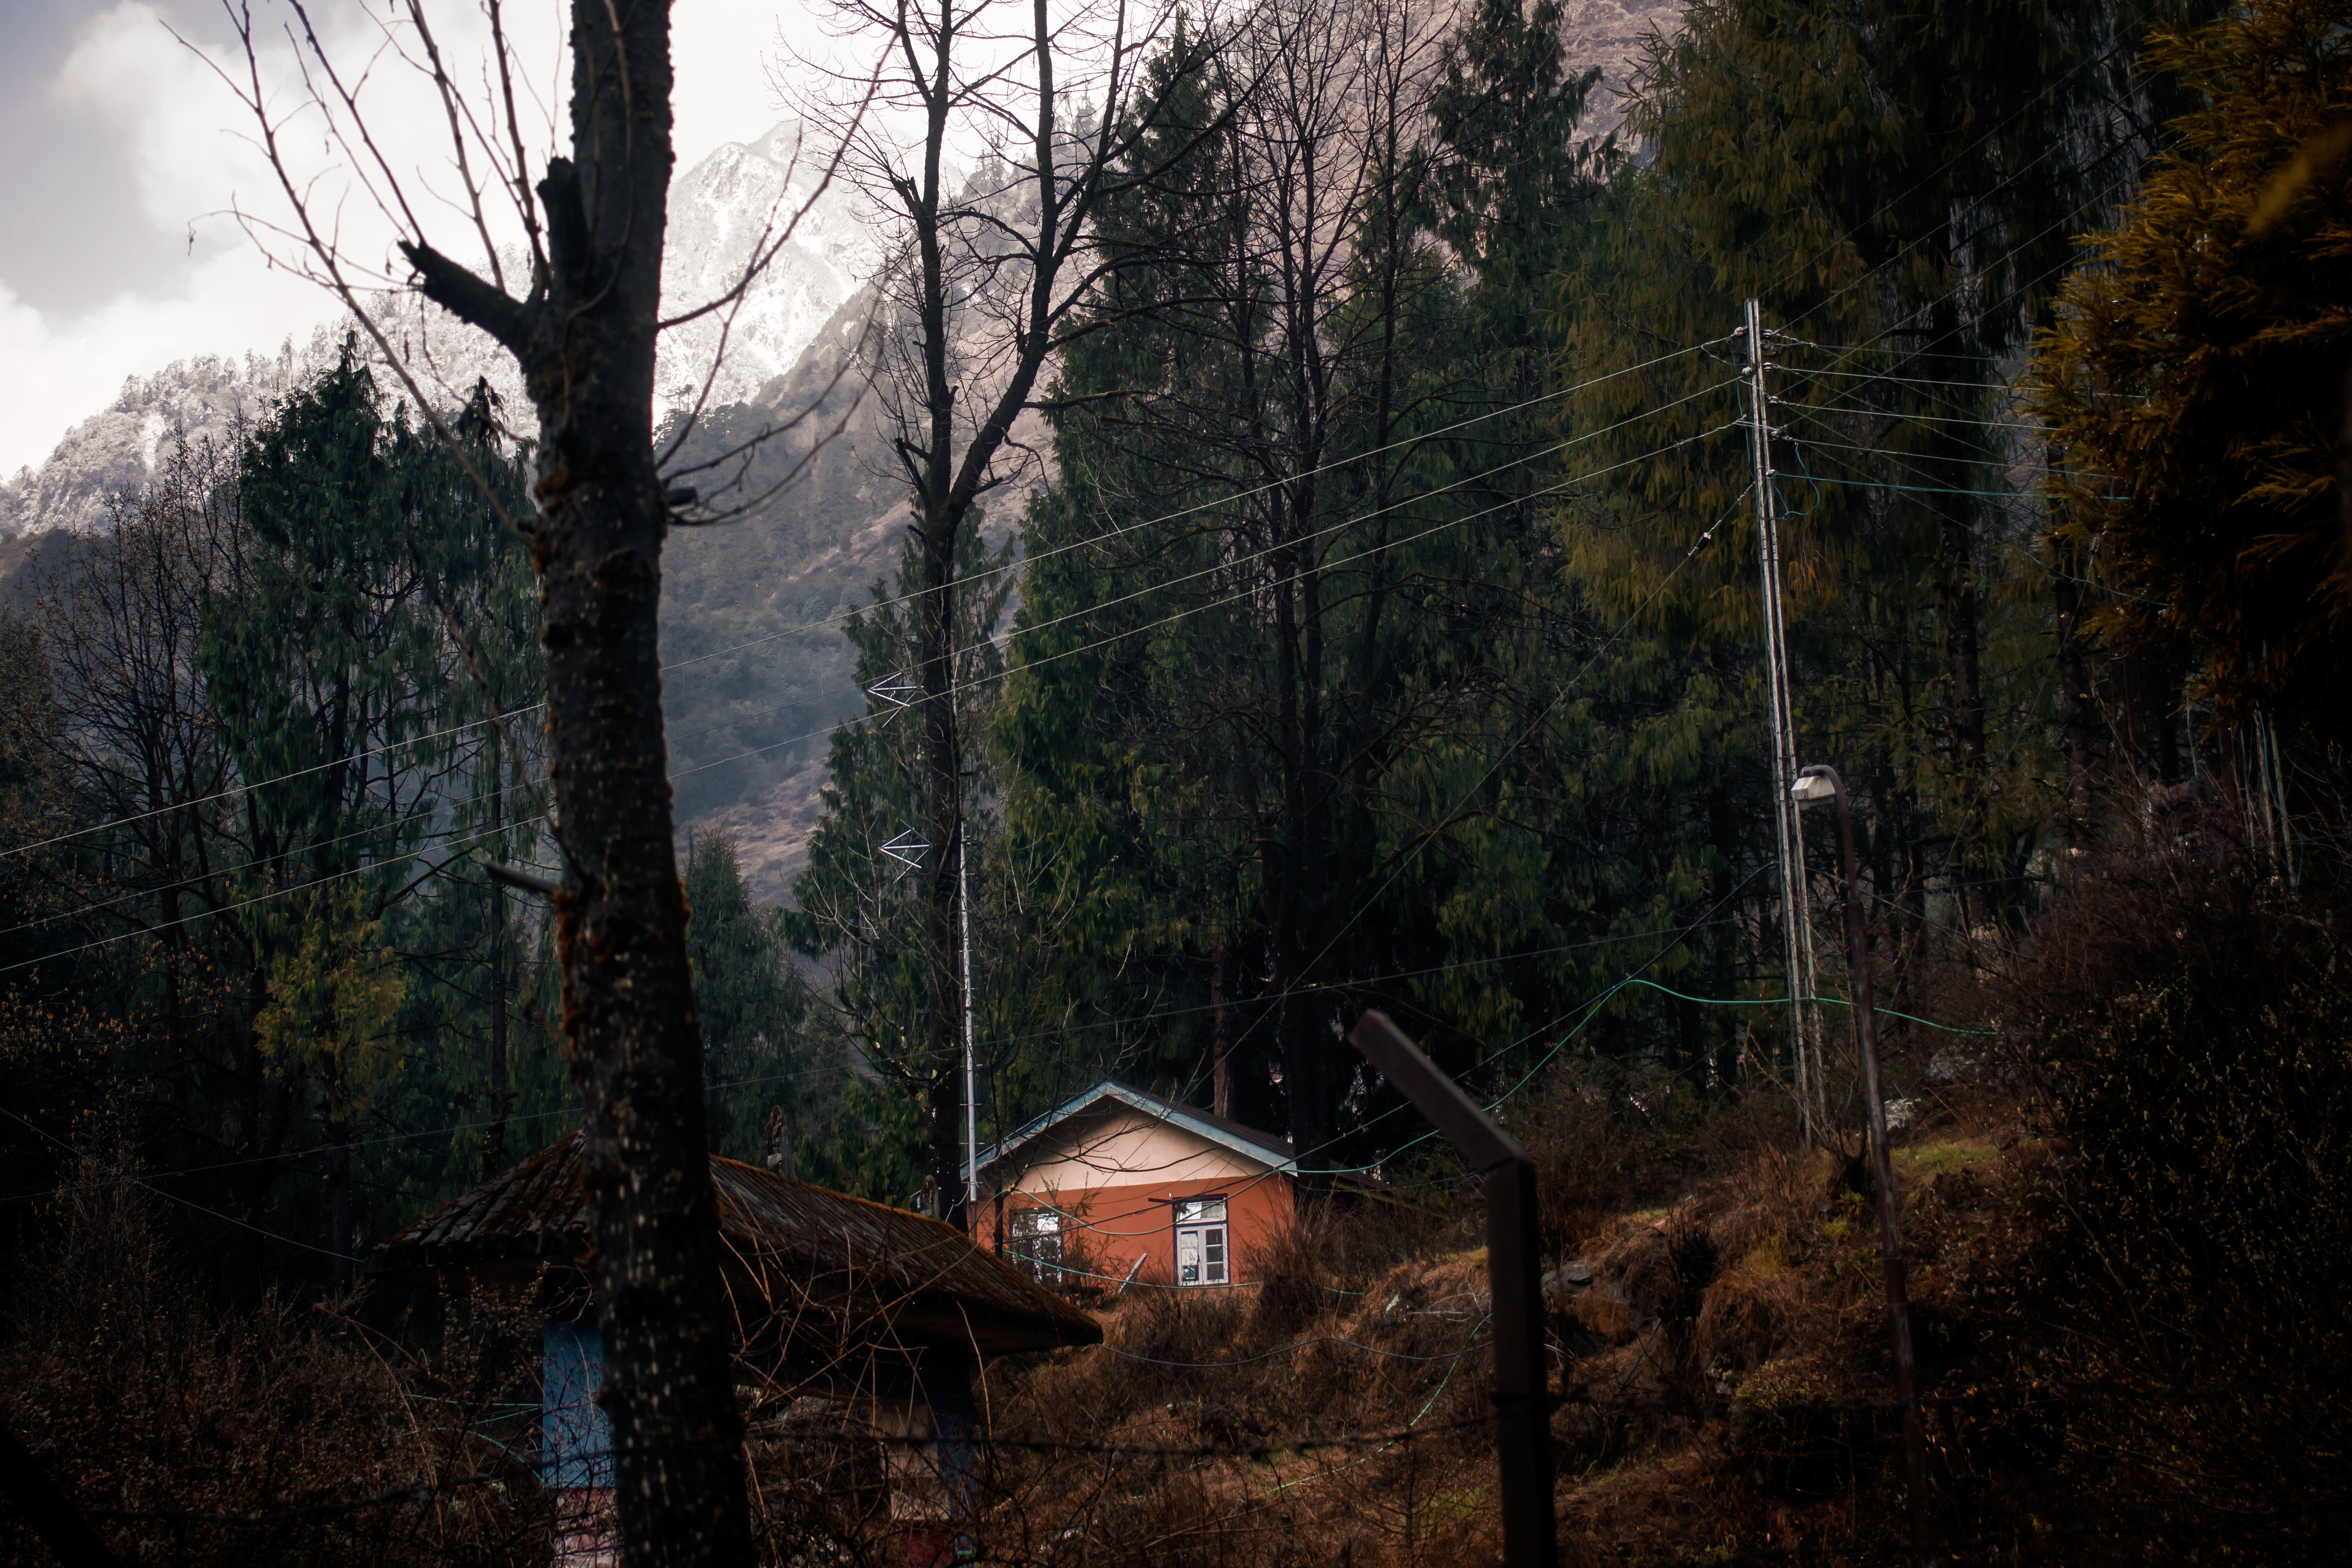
(738, 200)
(760, 671)
(755, 604)
(720, 209)
(119, 446)
(1612, 34)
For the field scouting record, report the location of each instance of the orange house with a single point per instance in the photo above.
(1118, 1186)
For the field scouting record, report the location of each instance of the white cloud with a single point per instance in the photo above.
(61, 372)
(128, 72)
(193, 149)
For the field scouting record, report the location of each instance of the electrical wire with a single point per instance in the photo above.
(174, 1197)
(2113, 52)
(1573, 681)
(379, 1140)
(1352, 985)
(838, 616)
(1227, 566)
(980, 683)
(962, 687)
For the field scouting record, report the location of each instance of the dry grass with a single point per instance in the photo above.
(191, 1436)
(2126, 1271)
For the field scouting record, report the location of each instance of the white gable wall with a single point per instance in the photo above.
(1124, 1147)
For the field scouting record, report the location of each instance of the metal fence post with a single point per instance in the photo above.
(1522, 1380)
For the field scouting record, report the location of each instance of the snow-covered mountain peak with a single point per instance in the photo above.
(743, 199)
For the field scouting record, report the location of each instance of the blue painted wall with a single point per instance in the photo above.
(575, 1441)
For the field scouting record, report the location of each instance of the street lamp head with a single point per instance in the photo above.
(1812, 787)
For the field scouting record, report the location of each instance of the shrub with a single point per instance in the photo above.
(2189, 1022)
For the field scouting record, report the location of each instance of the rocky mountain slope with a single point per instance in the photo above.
(739, 200)
(752, 608)
(1611, 35)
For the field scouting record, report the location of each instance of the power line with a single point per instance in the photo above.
(2113, 51)
(954, 691)
(841, 615)
(1877, 340)
(1426, 837)
(230, 871)
(1349, 984)
(2007, 180)
(184, 1202)
(457, 1127)
(229, 907)
(963, 687)
(1227, 566)
(1423, 840)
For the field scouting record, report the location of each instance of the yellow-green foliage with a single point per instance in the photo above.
(1935, 1158)
(2195, 374)
(332, 996)
(1780, 1382)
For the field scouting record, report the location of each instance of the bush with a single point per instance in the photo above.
(191, 1436)
(2189, 1024)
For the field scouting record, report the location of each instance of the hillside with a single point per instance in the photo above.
(746, 729)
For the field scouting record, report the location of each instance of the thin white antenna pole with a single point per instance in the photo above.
(970, 1101)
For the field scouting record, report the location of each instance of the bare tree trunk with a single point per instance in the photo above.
(976, 275)
(1958, 602)
(338, 1202)
(1221, 1077)
(494, 1137)
(2074, 689)
(585, 338)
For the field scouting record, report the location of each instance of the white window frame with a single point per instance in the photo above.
(1204, 1230)
(1038, 1237)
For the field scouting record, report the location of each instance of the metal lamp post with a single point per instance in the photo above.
(1818, 782)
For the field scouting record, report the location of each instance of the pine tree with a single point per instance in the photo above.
(2195, 378)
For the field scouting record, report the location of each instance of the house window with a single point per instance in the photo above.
(1036, 1244)
(1203, 1251)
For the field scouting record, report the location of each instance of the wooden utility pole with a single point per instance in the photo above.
(1796, 930)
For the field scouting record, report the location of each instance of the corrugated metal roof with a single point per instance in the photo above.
(1241, 1139)
(912, 1277)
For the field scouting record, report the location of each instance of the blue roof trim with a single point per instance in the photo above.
(1260, 1147)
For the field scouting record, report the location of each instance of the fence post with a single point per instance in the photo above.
(1522, 1380)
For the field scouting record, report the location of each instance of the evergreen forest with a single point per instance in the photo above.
(1427, 505)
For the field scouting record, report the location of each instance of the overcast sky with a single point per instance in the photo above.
(123, 150)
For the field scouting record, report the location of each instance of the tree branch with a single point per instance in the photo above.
(467, 298)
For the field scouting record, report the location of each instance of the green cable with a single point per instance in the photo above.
(1123, 1281)
(1833, 1000)
(1940, 489)
(1593, 1011)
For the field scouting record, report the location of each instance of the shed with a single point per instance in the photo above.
(878, 1309)
(1119, 1186)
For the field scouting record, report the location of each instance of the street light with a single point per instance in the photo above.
(1815, 783)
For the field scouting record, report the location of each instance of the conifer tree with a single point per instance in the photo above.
(2196, 378)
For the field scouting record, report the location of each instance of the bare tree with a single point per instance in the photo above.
(566, 278)
(988, 285)
(1297, 295)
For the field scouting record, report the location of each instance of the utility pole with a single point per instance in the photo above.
(971, 1100)
(1796, 930)
(1821, 782)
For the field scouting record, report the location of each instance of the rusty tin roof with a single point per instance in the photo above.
(894, 1272)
